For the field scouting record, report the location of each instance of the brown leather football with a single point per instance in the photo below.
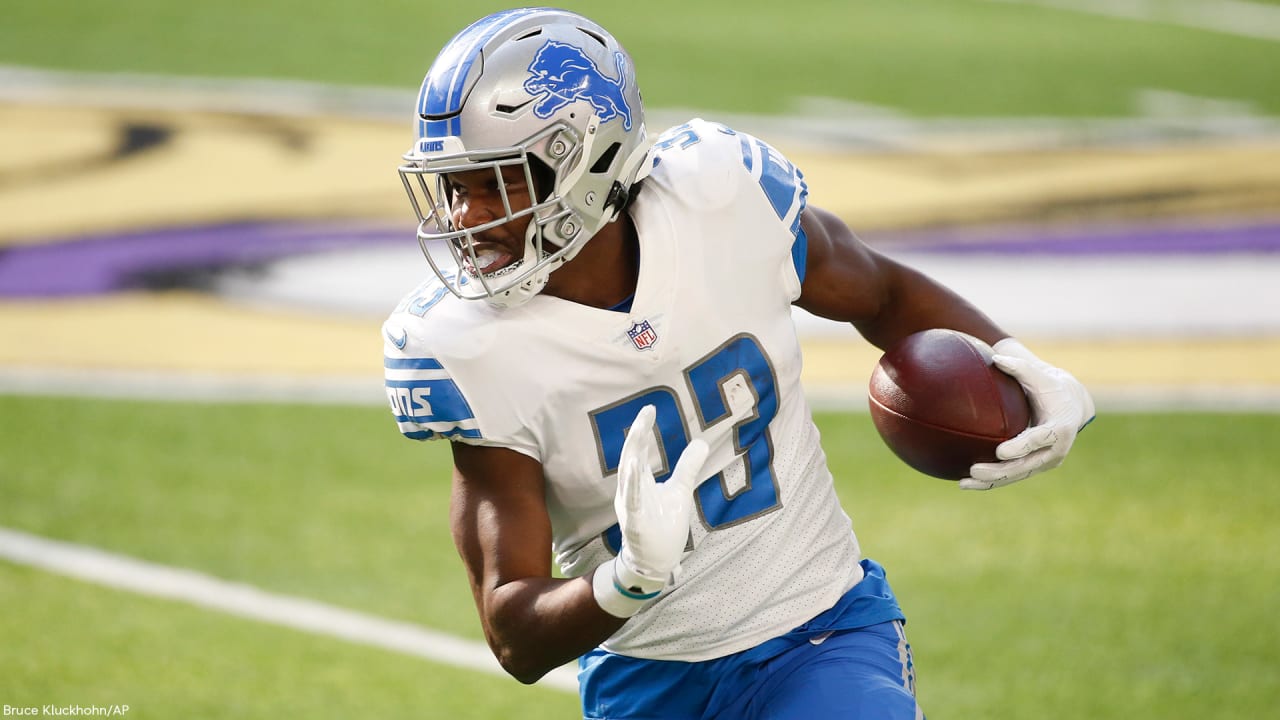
(941, 406)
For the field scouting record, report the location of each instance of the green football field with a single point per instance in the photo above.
(1136, 581)
(926, 57)
(1139, 581)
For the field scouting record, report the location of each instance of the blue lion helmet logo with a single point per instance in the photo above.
(562, 73)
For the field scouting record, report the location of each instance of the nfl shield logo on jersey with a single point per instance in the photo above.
(642, 335)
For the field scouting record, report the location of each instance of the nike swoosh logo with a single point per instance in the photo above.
(819, 639)
(512, 109)
(397, 340)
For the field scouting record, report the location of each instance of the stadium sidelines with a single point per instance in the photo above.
(120, 572)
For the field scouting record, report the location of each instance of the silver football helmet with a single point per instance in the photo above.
(544, 90)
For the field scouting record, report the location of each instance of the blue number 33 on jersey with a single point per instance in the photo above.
(737, 366)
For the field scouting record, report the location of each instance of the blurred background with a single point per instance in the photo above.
(1096, 173)
(199, 201)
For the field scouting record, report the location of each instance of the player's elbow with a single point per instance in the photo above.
(524, 666)
(519, 653)
(527, 677)
(525, 642)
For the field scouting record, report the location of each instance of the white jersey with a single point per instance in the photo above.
(709, 340)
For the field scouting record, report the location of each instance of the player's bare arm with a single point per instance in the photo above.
(532, 621)
(848, 281)
(886, 301)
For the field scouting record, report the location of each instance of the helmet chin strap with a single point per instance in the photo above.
(574, 175)
(632, 164)
(523, 291)
(635, 168)
(636, 162)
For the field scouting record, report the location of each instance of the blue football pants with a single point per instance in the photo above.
(862, 674)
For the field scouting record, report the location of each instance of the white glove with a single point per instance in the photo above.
(654, 518)
(1060, 408)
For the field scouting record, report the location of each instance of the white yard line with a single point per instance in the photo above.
(1232, 17)
(125, 573)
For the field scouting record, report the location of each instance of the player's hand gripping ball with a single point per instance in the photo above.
(940, 404)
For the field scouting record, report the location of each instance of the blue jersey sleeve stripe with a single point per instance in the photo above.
(779, 181)
(800, 253)
(411, 364)
(800, 248)
(442, 382)
(431, 435)
(802, 202)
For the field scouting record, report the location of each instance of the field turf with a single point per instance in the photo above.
(923, 57)
(1137, 581)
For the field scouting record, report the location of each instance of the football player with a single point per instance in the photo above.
(607, 341)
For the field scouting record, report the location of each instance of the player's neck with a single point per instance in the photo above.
(605, 271)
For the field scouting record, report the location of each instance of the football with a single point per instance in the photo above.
(941, 406)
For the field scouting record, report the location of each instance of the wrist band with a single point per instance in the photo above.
(613, 597)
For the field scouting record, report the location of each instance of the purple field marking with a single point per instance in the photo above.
(89, 265)
(118, 261)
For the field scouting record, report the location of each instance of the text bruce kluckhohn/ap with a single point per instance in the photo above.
(54, 710)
